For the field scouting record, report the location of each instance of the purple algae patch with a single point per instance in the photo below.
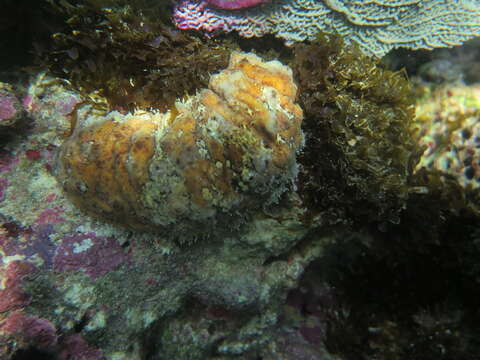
(94, 255)
(234, 4)
(50, 216)
(12, 294)
(3, 187)
(75, 347)
(7, 109)
(31, 243)
(67, 105)
(41, 245)
(29, 331)
(7, 161)
(9, 106)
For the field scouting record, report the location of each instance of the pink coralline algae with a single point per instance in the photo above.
(10, 107)
(33, 155)
(376, 26)
(31, 243)
(13, 296)
(50, 216)
(17, 327)
(3, 187)
(74, 347)
(93, 255)
(234, 4)
(27, 330)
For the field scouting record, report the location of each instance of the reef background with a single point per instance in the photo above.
(367, 259)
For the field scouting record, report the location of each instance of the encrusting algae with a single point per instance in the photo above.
(221, 154)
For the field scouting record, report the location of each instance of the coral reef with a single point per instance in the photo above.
(376, 26)
(422, 304)
(227, 151)
(94, 289)
(363, 127)
(292, 282)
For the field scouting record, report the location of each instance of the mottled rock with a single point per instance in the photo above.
(89, 289)
(449, 121)
(10, 107)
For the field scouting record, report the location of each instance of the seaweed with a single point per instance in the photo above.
(360, 137)
(128, 53)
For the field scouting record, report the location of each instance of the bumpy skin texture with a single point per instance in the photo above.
(228, 150)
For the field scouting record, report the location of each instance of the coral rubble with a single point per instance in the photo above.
(227, 151)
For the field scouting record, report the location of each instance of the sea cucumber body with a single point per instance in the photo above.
(223, 153)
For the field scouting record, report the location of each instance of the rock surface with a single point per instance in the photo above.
(79, 288)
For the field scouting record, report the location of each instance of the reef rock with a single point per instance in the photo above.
(10, 107)
(76, 286)
(448, 121)
(213, 158)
